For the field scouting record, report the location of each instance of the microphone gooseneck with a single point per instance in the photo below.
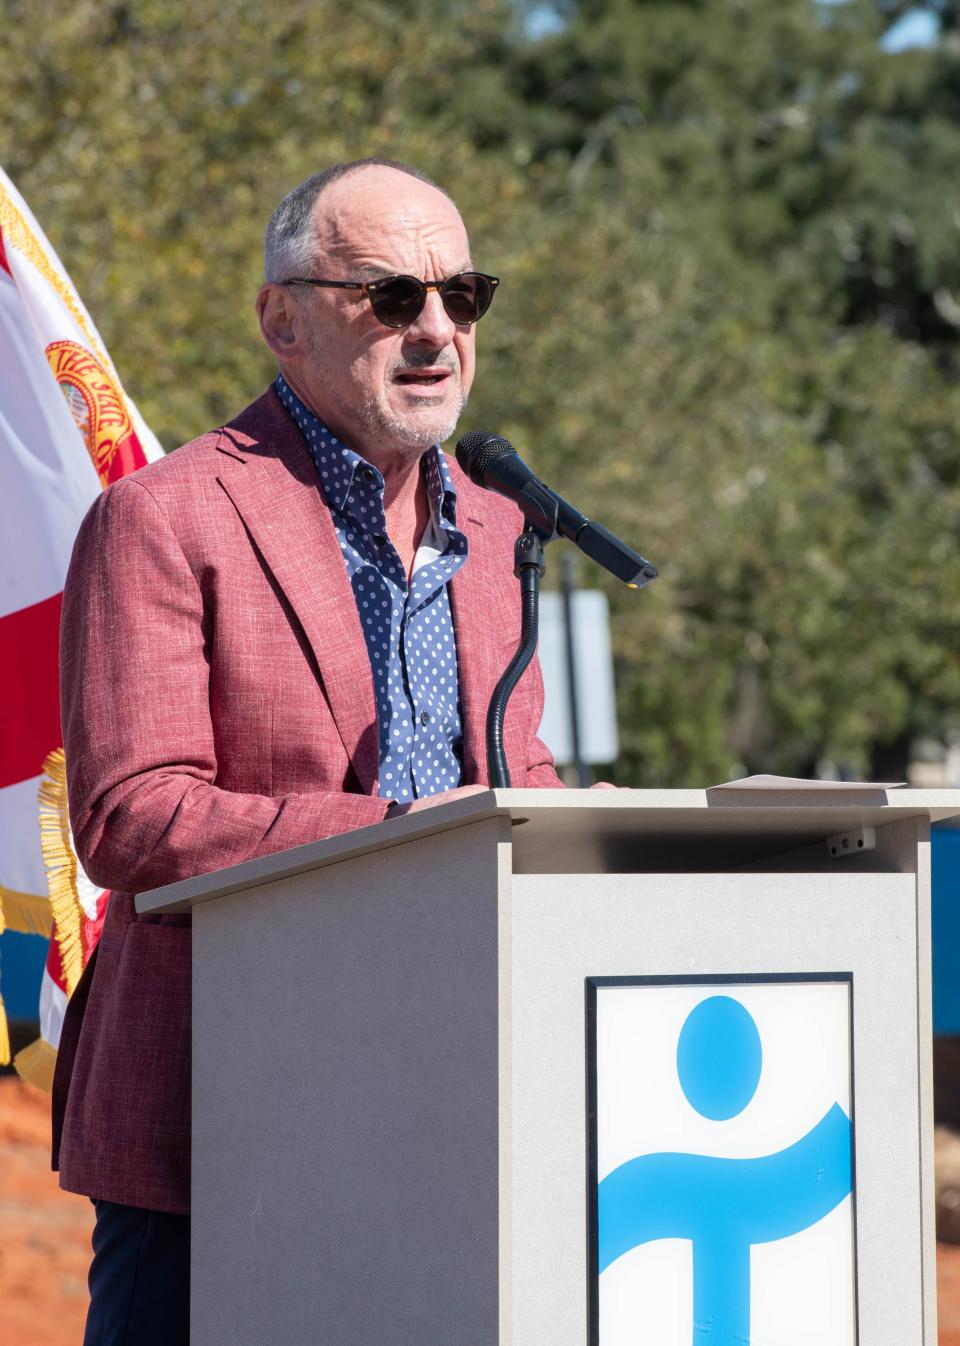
(528, 568)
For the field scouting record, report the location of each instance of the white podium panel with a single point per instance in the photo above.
(721, 1147)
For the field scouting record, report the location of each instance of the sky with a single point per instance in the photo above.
(917, 28)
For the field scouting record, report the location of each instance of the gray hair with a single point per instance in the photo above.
(289, 244)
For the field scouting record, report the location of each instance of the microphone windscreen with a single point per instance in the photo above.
(477, 449)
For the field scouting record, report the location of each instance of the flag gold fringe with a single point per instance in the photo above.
(26, 912)
(4, 1036)
(61, 866)
(35, 1064)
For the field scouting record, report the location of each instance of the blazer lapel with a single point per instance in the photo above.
(479, 596)
(268, 474)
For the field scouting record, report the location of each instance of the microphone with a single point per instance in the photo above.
(494, 464)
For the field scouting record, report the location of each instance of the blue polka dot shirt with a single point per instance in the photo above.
(408, 628)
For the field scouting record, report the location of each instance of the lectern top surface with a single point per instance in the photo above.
(596, 830)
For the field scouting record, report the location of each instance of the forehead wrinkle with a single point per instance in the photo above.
(377, 271)
(370, 246)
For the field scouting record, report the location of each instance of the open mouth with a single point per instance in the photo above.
(423, 378)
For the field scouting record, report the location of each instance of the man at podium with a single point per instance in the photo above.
(317, 604)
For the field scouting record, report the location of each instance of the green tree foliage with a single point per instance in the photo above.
(728, 235)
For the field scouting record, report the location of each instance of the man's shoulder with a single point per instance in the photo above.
(186, 484)
(195, 459)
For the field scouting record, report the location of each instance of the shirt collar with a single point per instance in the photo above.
(440, 488)
(338, 466)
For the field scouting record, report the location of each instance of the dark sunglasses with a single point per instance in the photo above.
(398, 300)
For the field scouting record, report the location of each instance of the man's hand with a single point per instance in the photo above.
(444, 797)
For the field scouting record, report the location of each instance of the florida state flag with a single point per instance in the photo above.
(66, 429)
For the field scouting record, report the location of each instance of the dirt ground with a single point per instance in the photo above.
(948, 1293)
(44, 1233)
(45, 1237)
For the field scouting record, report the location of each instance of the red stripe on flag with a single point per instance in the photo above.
(29, 689)
(128, 457)
(55, 966)
(3, 256)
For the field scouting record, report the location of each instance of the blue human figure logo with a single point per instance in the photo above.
(723, 1206)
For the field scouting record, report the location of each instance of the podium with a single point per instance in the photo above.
(443, 1066)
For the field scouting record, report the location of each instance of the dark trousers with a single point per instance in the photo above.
(139, 1278)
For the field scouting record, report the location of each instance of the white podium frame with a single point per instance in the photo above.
(389, 1081)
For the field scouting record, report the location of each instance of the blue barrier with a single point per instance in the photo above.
(21, 968)
(946, 930)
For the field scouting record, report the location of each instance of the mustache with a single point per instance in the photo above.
(422, 359)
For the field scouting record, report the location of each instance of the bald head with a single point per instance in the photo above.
(356, 215)
(290, 242)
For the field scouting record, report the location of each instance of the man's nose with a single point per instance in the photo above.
(432, 326)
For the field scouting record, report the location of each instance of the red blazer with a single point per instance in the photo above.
(217, 705)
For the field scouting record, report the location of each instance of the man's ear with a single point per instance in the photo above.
(277, 314)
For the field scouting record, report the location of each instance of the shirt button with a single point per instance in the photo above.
(367, 473)
(424, 717)
(379, 539)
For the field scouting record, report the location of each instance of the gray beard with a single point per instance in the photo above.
(407, 440)
(372, 419)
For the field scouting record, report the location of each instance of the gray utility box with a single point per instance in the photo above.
(542, 1068)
